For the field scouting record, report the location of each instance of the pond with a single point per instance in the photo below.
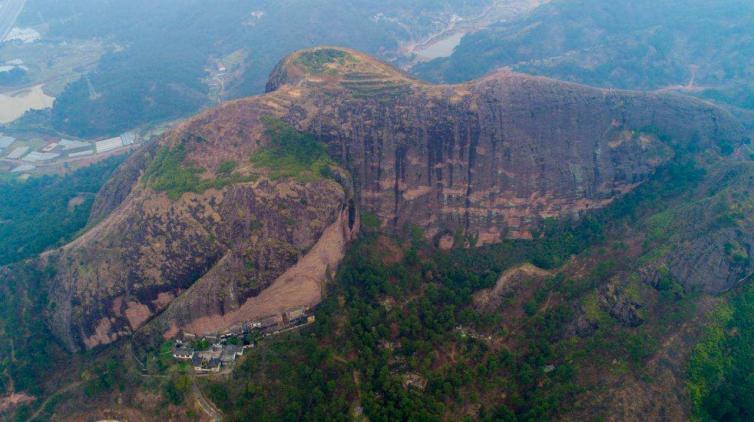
(15, 103)
(441, 48)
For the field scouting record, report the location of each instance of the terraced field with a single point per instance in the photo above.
(364, 84)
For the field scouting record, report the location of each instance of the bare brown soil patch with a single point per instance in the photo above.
(75, 202)
(299, 286)
(390, 251)
(14, 400)
(490, 299)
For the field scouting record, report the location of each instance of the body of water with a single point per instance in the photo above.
(14, 104)
(441, 48)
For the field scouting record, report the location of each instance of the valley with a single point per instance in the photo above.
(626, 45)
(107, 56)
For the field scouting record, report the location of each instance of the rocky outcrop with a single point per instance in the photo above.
(117, 188)
(709, 263)
(710, 249)
(300, 285)
(490, 159)
(614, 298)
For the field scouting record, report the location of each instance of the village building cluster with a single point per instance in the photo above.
(215, 352)
(213, 359)
(24, 155)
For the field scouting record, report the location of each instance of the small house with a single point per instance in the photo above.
(295, 316)
(269, 325)
(213, 352)
(230, 353)
(196, 362)
(183, 353)
(214, 365)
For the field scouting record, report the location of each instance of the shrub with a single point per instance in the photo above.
(315, 61)
(226, 168)
(168, 173)
(292, 153)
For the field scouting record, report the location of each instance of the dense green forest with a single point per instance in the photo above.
(46, 211)
(26, 345)
(399, 337)
(361, 350)
(721, 365)
(645, 44)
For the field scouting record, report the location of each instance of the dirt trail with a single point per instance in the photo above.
(207, 406)
(42, 406)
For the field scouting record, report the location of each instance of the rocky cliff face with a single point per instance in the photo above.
(238, 241)
(491, 159)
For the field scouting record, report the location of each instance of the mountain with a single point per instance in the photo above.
(206, 248)
(405, 209)
(696, 47)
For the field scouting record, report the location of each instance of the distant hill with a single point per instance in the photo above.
(705, 48)
(161, 56)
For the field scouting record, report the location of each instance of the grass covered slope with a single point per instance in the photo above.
(291, 153)
(170, 174)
